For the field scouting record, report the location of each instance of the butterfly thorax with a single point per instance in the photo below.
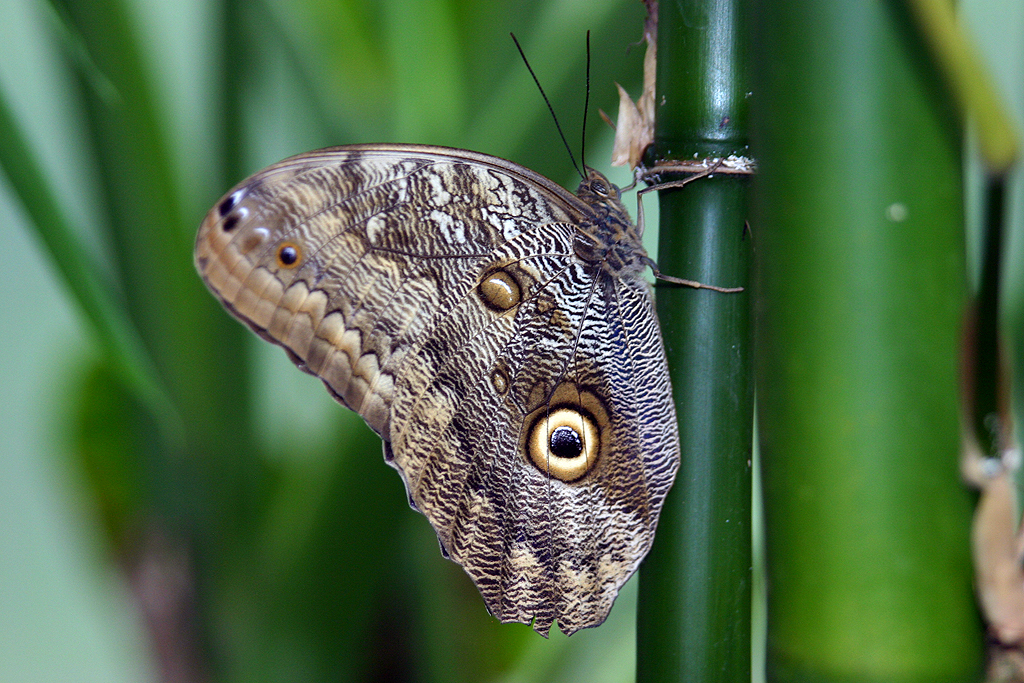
(610, 238)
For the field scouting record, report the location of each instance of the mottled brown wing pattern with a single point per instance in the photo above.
(495, 330)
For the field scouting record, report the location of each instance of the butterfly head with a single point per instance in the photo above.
(597, 189)
(604, 197)
(611, 238)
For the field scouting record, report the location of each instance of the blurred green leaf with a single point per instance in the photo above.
(969, 82)
(96, 297)
(305, 552)
(108, 448)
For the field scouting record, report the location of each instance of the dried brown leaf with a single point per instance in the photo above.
(635, 128)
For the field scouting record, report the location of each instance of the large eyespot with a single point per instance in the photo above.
(289, 255)
(564, 443)
(499, 290)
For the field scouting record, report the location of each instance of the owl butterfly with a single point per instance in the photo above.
(495, 330)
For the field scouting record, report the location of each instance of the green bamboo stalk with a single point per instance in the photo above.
(695, 587)
(860, 257)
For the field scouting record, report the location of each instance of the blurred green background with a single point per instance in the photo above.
(271, 542)
(265, 540)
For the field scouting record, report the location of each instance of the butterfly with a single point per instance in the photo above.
(495, 330)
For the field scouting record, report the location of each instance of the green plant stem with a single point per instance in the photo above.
(861, 287)
(694, 613)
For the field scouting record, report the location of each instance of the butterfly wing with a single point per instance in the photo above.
(521, 391)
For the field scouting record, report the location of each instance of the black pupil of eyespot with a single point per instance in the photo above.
(566, 442)
(288, 255)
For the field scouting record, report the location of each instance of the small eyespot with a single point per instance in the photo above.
(230, 202)
(231, 221)
(499, 291)
(288, 255)
(499, 379)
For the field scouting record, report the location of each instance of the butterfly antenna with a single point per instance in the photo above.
(548, 102)
(586, 105)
